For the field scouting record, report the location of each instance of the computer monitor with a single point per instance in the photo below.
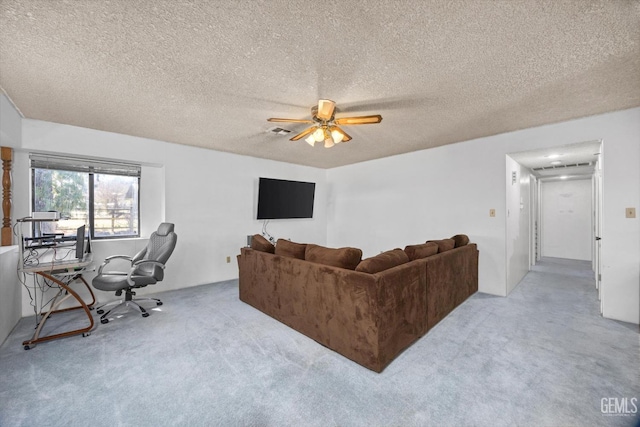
(80, 242)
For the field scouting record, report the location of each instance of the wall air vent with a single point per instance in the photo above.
(278, 131)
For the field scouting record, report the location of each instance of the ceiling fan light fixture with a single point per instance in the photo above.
(310, 140)
(325, 133)
(318, 135)
(337, 136)
(325, 126)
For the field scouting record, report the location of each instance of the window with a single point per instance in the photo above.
(104, 195)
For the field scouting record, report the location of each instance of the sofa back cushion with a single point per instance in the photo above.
(424, 250)
(348, 258)
(290, 249)
(383, 261)
(461, 240)
(443, 245)
(261, 244)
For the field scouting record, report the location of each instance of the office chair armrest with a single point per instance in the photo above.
(147, 261)
(108, 259)
(137, 264)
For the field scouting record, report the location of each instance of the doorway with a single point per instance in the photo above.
(563, 205)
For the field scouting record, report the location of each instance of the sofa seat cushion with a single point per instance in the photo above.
(424, 250)
(443, 245)
(383, 261)
(261, 244)
(290, 249)
(348, 258)
(461, 240)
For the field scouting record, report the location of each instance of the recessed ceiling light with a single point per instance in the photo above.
(564, 177)
(556, 162)
(554, 156)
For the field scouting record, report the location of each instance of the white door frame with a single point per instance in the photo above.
(597, 225)
(534, 221)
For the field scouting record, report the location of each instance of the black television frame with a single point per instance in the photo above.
(285, 199)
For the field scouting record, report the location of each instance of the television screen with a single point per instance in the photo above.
(280, 199)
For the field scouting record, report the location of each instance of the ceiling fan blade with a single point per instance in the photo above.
(326, 108)
(304, 133)
(277, 119)
(386, 104)
(361, 120)
(347, 137)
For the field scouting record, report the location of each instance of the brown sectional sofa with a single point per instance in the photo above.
(368, 317)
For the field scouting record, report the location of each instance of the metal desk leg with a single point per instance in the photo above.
(70, 293)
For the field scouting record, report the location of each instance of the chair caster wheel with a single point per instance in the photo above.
(26, 347)
(159, 303)
(104, 321)
(145, 314)
(86, 334)
(100, 311)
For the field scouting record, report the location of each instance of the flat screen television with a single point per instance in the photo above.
(282, 199)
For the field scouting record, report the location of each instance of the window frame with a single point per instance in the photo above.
(91, 167)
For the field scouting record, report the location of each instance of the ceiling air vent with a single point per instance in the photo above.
(278, 131)
(572, 165)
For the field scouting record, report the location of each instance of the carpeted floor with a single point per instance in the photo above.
(541, 357)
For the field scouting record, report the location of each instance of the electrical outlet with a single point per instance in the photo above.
(492, 213)
(228, 259)
(630, 212)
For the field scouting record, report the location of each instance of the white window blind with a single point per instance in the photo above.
(76, 164)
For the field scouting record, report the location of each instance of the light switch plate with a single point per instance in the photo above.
(630, 212)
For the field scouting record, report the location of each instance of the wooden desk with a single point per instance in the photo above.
(63, 274)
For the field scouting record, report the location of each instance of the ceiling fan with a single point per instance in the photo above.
(325, 125)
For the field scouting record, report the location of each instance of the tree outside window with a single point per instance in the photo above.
(115, 205)
(108, 203)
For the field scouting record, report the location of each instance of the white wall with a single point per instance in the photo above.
(430, 194)
(566, 219)
(209, 195)
(10, 293)
(518, 221)
(620, 244)
(10, 124)
(10, 136)
(409, 198)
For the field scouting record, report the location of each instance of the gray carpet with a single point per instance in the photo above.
(542, 356)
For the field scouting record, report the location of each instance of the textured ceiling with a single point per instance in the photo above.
(209, 73)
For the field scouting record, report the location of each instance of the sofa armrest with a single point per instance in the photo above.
(452, 277)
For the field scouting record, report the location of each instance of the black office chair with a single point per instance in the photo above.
(146, 268)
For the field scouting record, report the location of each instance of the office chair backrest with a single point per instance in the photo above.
(160, 247)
